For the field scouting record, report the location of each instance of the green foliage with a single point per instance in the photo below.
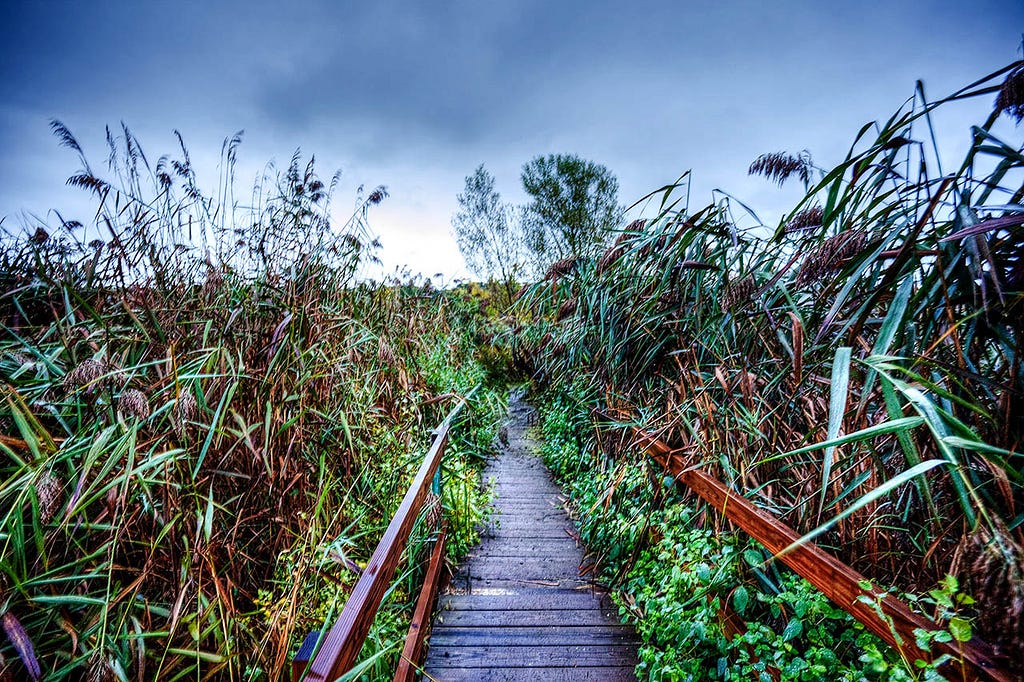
(704, 603)
(573, 208)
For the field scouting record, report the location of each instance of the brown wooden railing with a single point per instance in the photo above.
(340, 647)
(892, 620)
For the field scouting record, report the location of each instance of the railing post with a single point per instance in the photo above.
(408, 664)
(303, 655)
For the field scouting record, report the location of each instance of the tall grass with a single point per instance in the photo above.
(208, 418)
(875, 330)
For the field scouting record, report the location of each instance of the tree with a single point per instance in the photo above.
(487, 231)
(574, 206)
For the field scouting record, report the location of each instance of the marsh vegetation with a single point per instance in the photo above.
(210, 412)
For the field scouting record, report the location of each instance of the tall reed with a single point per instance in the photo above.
(870, 339)
(208, 419)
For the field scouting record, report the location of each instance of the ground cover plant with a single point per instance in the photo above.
(854, 370)
(208, 418)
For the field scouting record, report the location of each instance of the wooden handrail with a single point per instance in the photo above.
(409, 662)
(341, 646)
(972, 660)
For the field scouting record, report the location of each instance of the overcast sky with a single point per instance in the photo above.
(415, 95)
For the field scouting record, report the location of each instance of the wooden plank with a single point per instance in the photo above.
(535, 532)
(408, 664)
(533, 656)
(527, 635)
(517, 567)
(575, 674)
(523, 601)
(525, 618)
(553, 520)
(507, 547)
(833, 578)
(478, 585)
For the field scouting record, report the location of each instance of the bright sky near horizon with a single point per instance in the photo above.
(416, 95)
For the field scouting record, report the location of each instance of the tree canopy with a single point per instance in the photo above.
(487, 231)
(572, 208)
(574, 204)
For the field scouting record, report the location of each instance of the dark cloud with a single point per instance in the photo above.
(416, 94)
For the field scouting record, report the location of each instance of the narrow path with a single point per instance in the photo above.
(518, 609)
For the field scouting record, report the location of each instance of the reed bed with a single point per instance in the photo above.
(208, 418)
(855, 370)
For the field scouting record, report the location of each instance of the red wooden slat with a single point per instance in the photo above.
(408, 664)
(833, 578)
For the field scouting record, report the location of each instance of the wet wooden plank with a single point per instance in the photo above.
(515, 610)
(532, 601)
(522, 567)
(575, 674)
(535, 656)
(508, 546)
(525, 618)
(524, 634)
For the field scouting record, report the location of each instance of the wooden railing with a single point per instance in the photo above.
(881, 613)
(339, 648)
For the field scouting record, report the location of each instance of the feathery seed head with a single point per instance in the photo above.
(100, 670)
(829, 258)
(48, 489)
(85, 376)
(184, 411)
(433, 510)
(133, 403)
(187, 407)
(561, 268)
(566, 309)
(737, 292)
(779, 166)
(806, 219)
(1011, 95)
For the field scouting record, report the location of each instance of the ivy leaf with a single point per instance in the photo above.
(753, 557)
(794, 628)
(960, 628)
(740, 599)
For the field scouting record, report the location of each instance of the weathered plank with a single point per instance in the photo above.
(527, 634)
(534, 655)
(576, 674)
(515, 610)
(536, 567)
(537, 619)
(510, 546)
(527, 600)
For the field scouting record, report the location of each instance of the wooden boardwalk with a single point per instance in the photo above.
(517, 609)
